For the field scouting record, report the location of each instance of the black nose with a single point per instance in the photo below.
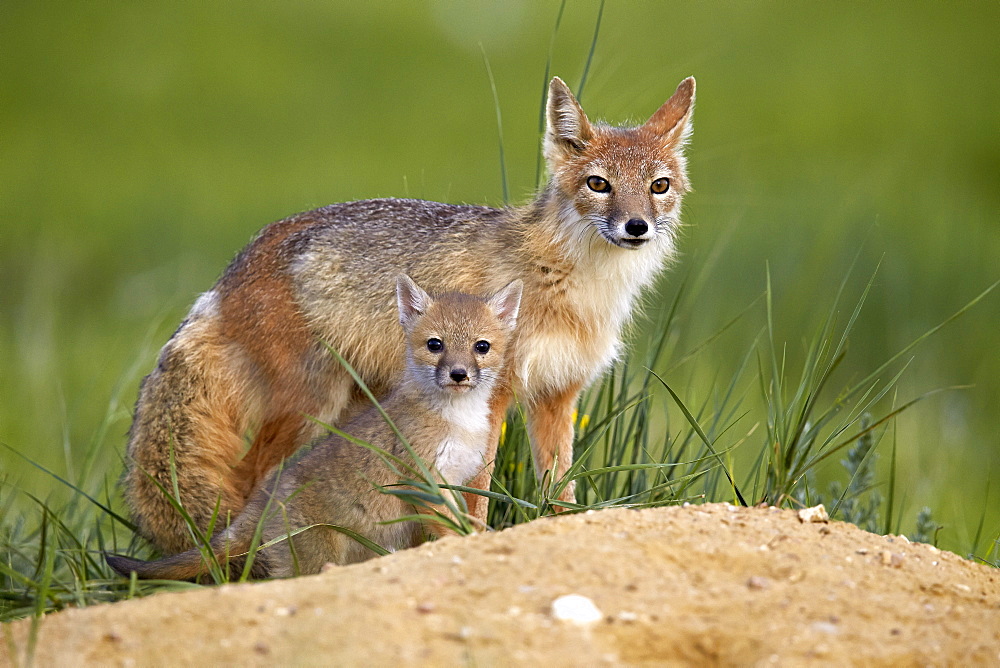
(458, 374)
(636, 227)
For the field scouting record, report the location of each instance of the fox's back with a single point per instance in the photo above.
(347, 263)
(328, 276)
(347, 245)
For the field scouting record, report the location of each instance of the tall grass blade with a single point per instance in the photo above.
(496, 106)
(704, 438)
(982, 518)
(891, 500)
(545, 93)
(70, 485)
(933, 330)
(590, 54)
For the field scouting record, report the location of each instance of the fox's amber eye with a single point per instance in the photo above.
(598, 185)
(660, 186)
(482, 347)
(435, 345)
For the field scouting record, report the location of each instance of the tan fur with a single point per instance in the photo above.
(442, 408)
(327, 275)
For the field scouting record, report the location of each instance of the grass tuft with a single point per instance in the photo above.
(639, 443)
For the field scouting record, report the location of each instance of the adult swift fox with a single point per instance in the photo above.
(230, 395)
(455, 347)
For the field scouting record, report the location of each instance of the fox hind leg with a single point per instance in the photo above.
(293, 419)
(186, 432)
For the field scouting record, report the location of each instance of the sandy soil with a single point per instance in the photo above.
(707, 584)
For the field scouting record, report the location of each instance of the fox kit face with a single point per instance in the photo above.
(626, 184)
(456, 342)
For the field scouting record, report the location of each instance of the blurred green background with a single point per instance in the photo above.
(144, 143)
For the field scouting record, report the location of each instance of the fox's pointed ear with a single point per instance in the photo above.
(672, 121)
(411, 299)
(507, 303)
(567, 129)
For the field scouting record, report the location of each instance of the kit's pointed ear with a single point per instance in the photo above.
(413, 302)
(672, 121)
(567, 129)
(507, 303)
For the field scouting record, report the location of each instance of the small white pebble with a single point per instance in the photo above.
(627, 616)
(576, 609)
(456, 559)
(825, 627)
(814, 514)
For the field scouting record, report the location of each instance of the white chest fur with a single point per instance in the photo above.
(552, 362)
(462, 452)
(601, 294)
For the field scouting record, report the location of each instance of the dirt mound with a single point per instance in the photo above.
(702, 584)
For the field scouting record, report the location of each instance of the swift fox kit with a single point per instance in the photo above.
(230, 394)
(455, 347)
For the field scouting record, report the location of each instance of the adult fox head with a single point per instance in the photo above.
(456, 342)
(623, 183)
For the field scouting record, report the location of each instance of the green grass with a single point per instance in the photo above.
(755, 437)
(143, 146)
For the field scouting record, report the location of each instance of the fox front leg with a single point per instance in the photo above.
(500, 401)
(551, 432)
(550, 428)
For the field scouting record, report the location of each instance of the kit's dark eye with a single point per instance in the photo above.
(482, 347)
(598, 185)
(435, 345)
(660, 186)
